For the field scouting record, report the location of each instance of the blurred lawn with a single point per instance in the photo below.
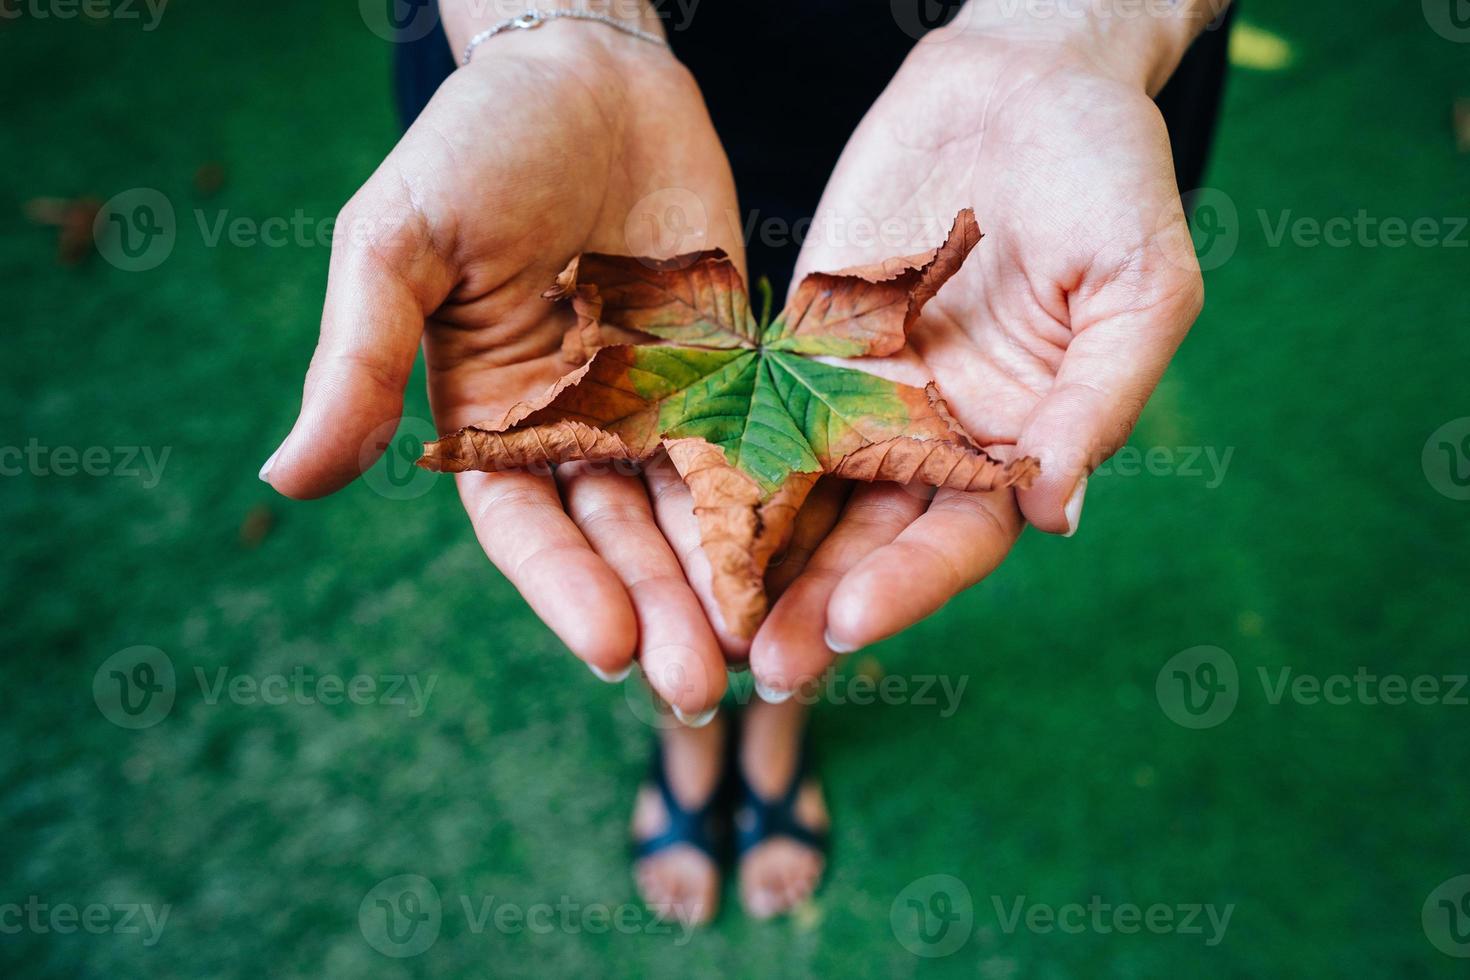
(1324, 548)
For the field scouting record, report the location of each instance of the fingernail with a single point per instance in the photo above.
(835, 646)
(1073, 509)
(696, 721)
(265, 471)
(611, 677)
(770, 695)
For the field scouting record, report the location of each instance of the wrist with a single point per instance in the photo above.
(1139, 42)
(463, 19)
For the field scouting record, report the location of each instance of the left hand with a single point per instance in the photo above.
(1049, 340)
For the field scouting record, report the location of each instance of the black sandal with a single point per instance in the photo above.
(700, 828)
(757, 820)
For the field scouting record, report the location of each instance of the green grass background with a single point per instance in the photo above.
(1325, 548)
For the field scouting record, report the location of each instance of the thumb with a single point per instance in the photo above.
(385, 278)
(1110, 369)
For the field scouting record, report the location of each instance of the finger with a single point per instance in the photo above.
(520, 523)
(676, 646)
(1110, 369)
(818, 514)
(673, 509)
(385, 277)
(791, 648)
(958, 541)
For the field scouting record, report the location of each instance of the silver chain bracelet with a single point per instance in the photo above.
(532, 19)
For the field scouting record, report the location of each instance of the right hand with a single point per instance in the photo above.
(568, 138)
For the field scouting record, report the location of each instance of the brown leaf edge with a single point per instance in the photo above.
(589, 333)
(928, 271)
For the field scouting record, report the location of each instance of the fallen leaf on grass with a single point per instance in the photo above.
(209, 178)
(73, 220)
(258, 523)
(679, 362)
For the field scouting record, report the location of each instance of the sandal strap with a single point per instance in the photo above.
(697, 827)
(758, 820)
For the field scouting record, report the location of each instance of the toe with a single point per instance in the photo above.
(762, 890)
(679, 885)
(777, 876)
(801, 878)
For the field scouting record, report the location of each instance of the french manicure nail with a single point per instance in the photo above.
(696, 721)
(265, 471)
(770, 695)
(1073, 509)
(835, 646)
(611, 677)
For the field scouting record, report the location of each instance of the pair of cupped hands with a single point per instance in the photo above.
(1049, 339)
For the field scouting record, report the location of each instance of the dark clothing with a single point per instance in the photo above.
(785, 99)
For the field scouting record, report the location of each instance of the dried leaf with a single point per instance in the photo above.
(258, 522)
(73, 220)
(209, 178)
(680, 364)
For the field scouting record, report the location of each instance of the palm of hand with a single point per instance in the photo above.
(533, 165)
(520, 162)
(1071, 179)
(1049, 339)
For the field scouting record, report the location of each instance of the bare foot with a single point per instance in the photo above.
(681, 883)
(780, 873)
